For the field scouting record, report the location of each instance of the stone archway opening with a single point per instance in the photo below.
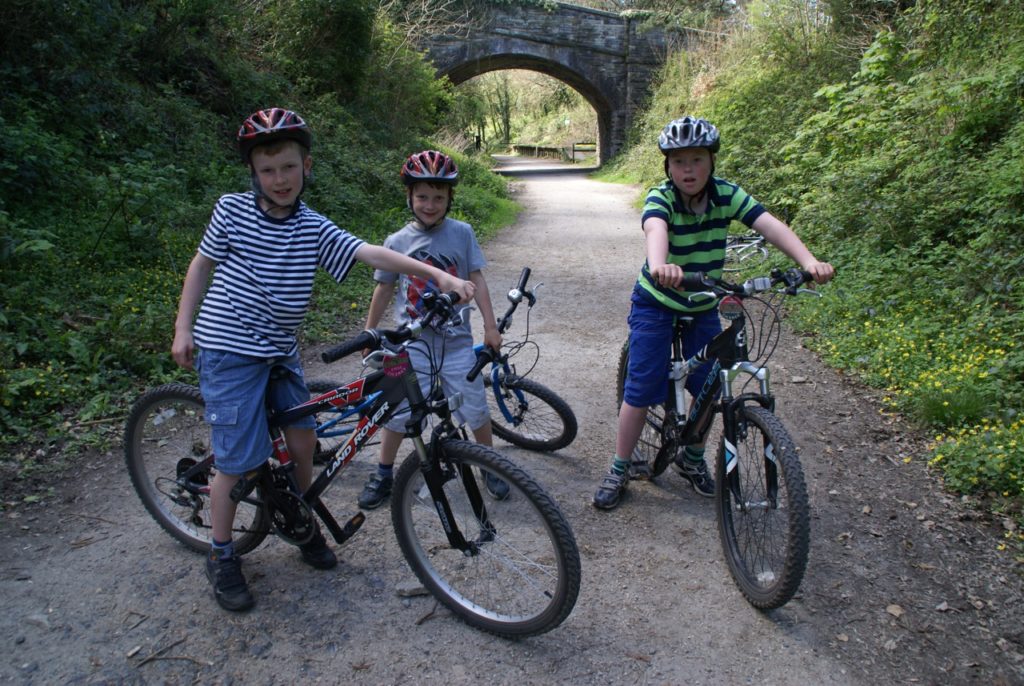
(609, 58)
(532, 77)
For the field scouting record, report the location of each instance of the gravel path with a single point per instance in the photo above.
(905, 584)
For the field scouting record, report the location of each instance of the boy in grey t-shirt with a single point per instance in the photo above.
(449, 245)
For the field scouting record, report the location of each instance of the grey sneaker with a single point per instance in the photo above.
(697, 474)
(498, 488)
(229, 587)
(609, 493)
(376, 491)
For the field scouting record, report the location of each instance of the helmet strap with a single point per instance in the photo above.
(408, 203)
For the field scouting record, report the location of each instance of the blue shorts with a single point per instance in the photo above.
(234, 388)
(459, 358)
(650, 350)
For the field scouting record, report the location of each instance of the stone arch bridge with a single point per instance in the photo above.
(610, 59)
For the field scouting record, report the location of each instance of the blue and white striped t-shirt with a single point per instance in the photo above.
(263, 280)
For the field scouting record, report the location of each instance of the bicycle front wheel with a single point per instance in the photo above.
(655, 432)
(529, 415)
(763, 512)
(521, 575)
(166, 435)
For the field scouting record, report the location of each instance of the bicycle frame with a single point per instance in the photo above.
(501, 368)
(729, 356)
(330, 428)
(378, 397)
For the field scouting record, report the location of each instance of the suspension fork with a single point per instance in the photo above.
(733, 432)
(433, 470)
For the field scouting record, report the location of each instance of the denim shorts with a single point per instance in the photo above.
(234, 388)
(459, 358)
(650, 350)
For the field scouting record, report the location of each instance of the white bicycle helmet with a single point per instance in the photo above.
(689, 132)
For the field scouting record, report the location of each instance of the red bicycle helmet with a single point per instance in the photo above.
(430, 165)
(267, 126)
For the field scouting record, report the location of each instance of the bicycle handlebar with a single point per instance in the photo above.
(706, 285)
(440, 308)
(515, 296)
(483, 358)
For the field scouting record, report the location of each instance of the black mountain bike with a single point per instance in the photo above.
(523, 412)
(761, 498)
(510, 567)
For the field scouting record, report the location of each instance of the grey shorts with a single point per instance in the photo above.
(458, 360)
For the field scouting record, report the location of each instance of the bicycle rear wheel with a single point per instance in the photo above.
(523, 574)
(165, 435)
(765, 531)
(540, 420)
(655, 434)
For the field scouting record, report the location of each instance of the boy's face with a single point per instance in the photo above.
(280, 171)
(429, 201)
(690, 169)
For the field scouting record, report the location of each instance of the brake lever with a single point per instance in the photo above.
(375, 360)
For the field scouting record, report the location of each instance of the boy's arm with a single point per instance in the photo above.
(782, 237)
(656, 247)
(378, 303)
(492, 338)
(183, 347)
(388, 260)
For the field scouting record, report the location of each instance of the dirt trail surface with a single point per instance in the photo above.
(904, 584)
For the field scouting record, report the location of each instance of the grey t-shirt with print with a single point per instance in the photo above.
(451, 247)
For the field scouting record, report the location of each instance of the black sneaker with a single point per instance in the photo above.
(609, 493)
(315, 552)
(376, 491)
(229, 587)
(697, 474)
(498, 488)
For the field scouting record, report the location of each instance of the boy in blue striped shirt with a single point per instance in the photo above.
(263, 249)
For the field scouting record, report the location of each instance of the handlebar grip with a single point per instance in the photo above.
(696, 281)
(483, 357)
(523, 278)
(366, 339)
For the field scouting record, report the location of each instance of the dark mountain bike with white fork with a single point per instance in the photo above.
(510, 567)
(761, 499)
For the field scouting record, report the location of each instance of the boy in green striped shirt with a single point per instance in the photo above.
(685, 223)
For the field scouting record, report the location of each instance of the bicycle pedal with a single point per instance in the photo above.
(351, 526)
(640, 470)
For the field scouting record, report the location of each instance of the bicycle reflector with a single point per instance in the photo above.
(730, 307)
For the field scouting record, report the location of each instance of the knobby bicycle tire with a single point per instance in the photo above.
(166, 432)
(541, 421)
(524, 577)
(654, 436)
(765, 539)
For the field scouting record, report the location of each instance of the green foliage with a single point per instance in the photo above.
(116, 149)
(903, 168)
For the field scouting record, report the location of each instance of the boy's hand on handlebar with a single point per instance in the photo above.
(821, 271)
(492, 339)
(667, 275)
(465, 289)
